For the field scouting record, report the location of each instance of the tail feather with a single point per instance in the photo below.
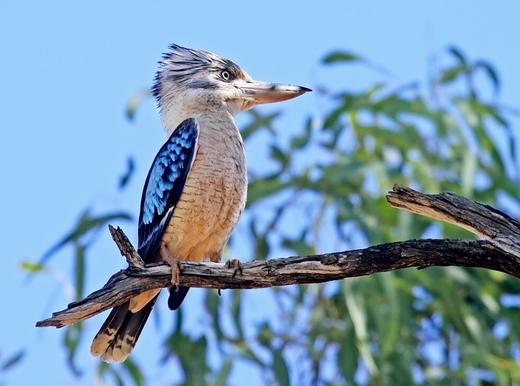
(118, 335)
(108, 330)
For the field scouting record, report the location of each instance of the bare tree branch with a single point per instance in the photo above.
(126, 248)
(499, 252)
(482, 220)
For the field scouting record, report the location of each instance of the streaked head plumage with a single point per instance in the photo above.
(191, 80)
(183, 67)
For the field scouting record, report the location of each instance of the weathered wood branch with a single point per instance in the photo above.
(482, 220)
(500, 252)
(126, 248)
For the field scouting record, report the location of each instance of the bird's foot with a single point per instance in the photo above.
(236, 265)
(174, 264)
(176, 272)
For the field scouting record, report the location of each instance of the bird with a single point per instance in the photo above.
(196, 188)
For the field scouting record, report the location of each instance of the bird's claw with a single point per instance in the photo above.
(176, 272)
(174, 264)
(236, 265)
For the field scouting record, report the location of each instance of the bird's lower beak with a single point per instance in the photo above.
(263, 92)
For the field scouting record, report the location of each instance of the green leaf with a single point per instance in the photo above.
(134, 102)
(265, 335)
(223, 374)
(127, 175)
(134, 372)
(261, 247)
(212, 302)
(391, 324)
(281, 371)
(333, 117)
(71, 341)
(468, 172)
(104, 369)
(358, 315)
(86, 223)
(491, 73)
(32, 267)
(300, 246)
(258, 122)
(236, 314)
(12, 361)
(192, 355)
(341, 56)
(280, 156)
(458, 54)
(348, 357)
(263, 187)
(299, 142)
(452, 73)
(79, 270)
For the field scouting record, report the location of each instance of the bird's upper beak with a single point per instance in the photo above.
(264, 92)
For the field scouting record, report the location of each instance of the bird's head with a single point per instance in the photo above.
(195, 80)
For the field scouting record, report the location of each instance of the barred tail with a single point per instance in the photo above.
(118, 335)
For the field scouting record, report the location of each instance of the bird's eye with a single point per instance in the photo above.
(225, 75)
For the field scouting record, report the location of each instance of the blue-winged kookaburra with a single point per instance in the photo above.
(196, 187)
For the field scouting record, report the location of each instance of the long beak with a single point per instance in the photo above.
(263, 92)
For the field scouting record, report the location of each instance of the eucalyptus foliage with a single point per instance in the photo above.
(328, 183)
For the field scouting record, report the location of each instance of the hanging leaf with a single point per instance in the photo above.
(134, 372)
(299, 142)
(12, 361)
(458, 54)
(86, 223)
(280, 368)
(491, 73)
(223, 374)
(105, 369)
(79, 269)
(212, 303)
(236, 313)
(127, 175)
(71, 341)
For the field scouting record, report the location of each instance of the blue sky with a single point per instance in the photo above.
(69, 68)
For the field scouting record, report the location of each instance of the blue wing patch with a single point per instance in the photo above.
(164, 184)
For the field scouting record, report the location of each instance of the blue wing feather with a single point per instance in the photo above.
(163, 186)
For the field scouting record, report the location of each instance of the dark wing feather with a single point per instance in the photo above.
(164, 185)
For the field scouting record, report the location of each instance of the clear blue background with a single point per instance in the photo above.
(69, 68)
